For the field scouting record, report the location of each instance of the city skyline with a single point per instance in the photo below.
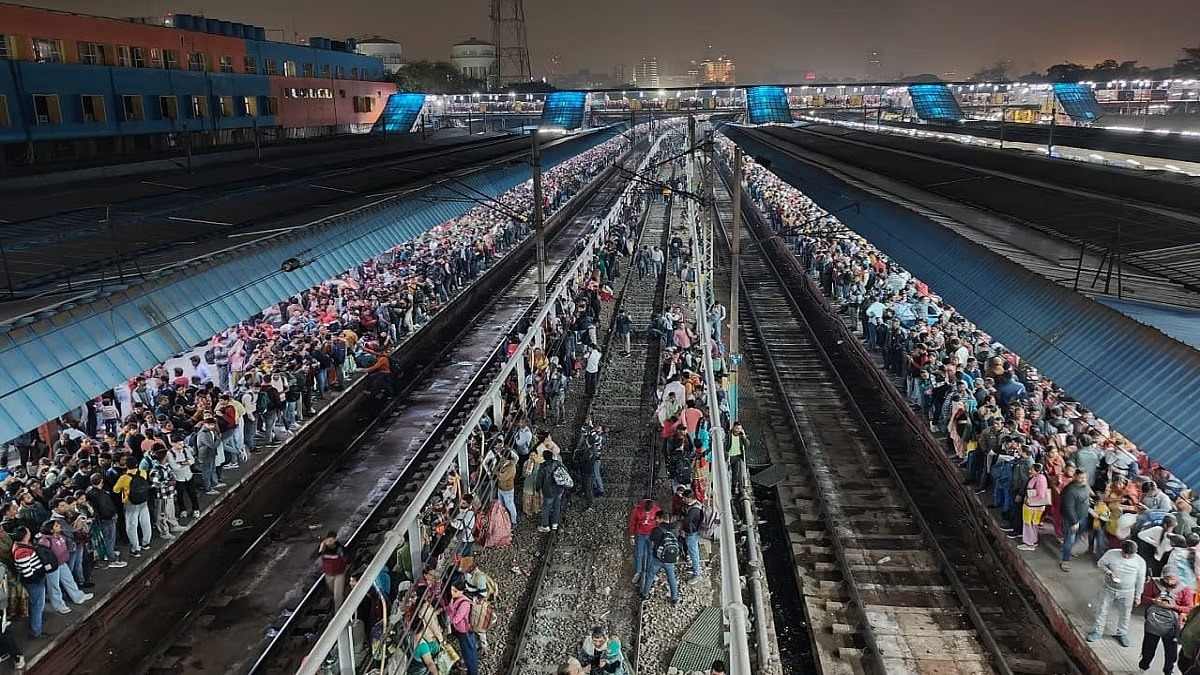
(770, 40)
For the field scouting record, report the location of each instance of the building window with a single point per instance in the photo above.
(4, 118)
(137, 56)
(308, 70)
(249, 65)
(289, 68)
(134, 107)
(199, 107)
(354, 73)
(272, 105)
(168, 107)
(46, 109)
(93, 108)
(6, 48)
(250, 103)
(197, 61)
(325, 70)
(226, 105)
(46, 50)
(272, 67)
(124, 59)
(92, 54)
(171, 59)
(341, 72)
(226, 64)
(363, 104)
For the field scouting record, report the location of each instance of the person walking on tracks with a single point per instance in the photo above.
(1167, 602)
(335, 562)
(1124, 577)
(664, 547)
(553, 479)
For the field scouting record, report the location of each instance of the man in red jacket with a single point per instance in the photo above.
(642, 521)
(1167, 602)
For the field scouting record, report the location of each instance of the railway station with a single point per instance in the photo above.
(852, 378)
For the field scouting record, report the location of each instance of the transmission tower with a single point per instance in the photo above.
(512, 47)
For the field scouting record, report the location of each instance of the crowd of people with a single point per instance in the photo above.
(128, 468)
(1048, 464)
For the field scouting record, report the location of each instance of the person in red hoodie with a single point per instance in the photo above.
(335, 562)
(642, 520)
(1167, 603)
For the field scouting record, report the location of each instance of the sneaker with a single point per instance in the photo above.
(175, 529)
(219, 485)
(195, 514)
(135, 554)
(87, 584)
(695, 580)
(543, 529)
(64, 610)
(554, 527)
(166, 535)
(86, 597)
(234, 465)
(1014, 535)
(637, 578)
(1026, 547)
(1093, 636)
(19, 662)
(1123, 640)
(210, 493)
(118, 564)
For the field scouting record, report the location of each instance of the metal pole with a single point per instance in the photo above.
(1053, 121)
(735, 249)
(538, 219)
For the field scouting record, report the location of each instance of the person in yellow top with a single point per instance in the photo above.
(134, 488)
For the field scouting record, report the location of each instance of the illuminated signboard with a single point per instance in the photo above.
(400, 113)
(563, 110)
(1078, 101)
(767, 105)
(935, 103)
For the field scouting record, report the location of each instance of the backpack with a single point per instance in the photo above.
(365, 360)
(710, 520)
(683, 469)
(263, 402)
(338, 351)
(1161, 621)
(667, 550)
(562, 477)
(482, 615)
(139, 489)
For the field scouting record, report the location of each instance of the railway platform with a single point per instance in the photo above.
(1066, 599)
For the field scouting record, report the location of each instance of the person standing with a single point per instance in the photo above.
(1167, 602)
(32, 567)
(642, 520)
(550, 485)
(1037, 498)
(591, 371)
(693, 516)
(162, 479)
(624, 327)
(106, 515)
(1124, 577)
(506, 477)
(664, 547)
(134, 489)
(1075, 504)
(335, 562)
(737, 446)
(60, 579)
(458, 611)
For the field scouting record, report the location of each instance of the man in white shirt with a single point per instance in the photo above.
(592, 371)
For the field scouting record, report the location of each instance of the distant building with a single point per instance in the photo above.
(645, 73)
(76, 86)
(387, 51)
(475, 59)
(619, 76)
(718, 71)
(874, 67)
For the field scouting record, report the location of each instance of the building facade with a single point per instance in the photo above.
(718, 71)
(645, 72)
(78, 87)
(387, 51)
(475, 59)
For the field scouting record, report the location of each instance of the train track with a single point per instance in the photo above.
(897, 577)
(201, 621)
(584, 580)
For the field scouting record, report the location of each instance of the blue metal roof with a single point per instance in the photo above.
(56, 363)
(1181, 323)
(1138, 379)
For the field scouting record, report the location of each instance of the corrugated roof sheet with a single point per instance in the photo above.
(56, 363)
(1181, 323)
(1138, 379)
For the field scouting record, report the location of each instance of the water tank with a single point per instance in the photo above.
(247, 32)
(184, 21)
(226, 28)
(212, 26)
(326, 43)
(314, 42)
(260, 34)
(351, 44)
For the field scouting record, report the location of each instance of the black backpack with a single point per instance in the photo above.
(682, 468)
(667, 550)
(139, 489)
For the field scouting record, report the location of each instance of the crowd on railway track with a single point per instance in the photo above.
(133, 466)
(1046, 464)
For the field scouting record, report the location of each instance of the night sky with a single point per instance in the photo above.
(770, 40)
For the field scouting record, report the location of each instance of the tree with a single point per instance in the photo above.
(1189, 64)
(997, 72)
(441, 77)
(1067, 72)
